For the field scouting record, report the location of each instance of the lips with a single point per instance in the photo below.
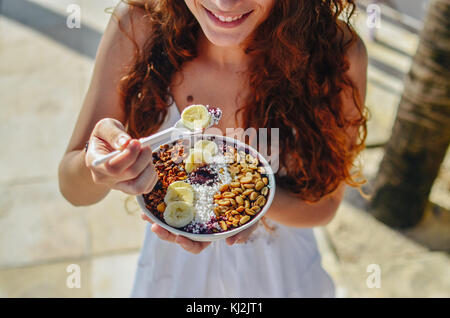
(229, 20)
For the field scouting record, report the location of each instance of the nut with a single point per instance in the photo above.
(253, 196)
(256, 208)
(265, 180)
(246, 179)
(233, 169)
(261, 200)
(224, 202)
(244, 219)
(249, 185)
(250, 211)
(235, 184)
(240, 209)
(259, 185)
(239, 200)
(223, 225)
(161, 207)
(264, 191)
(223, 209)
(247, 192)
(228, 194)
(237, 191)
(224, 188)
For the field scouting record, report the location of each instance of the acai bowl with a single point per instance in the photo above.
(209, 187)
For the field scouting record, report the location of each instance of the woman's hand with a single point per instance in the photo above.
(132, 171)
(194, 246)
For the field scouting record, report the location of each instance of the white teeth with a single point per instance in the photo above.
(227, 19)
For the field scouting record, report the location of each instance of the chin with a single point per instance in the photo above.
(225, 40)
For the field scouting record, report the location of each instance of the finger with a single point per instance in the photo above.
(139, 185)
(113, 132)
(146, 218)
(231, 240)
(236, 239)
(163, 234)
(241, 237)
(125, 159)
(143, 160)
(191, 246)
(152, 183)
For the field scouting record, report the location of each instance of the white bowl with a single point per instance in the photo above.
(221, 235)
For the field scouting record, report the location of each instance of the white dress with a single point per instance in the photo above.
(285, 263)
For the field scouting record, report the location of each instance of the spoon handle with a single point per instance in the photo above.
(153, 141)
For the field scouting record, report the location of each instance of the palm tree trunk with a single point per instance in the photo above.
(421, 132)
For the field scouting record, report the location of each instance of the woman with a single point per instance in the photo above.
(283, 64)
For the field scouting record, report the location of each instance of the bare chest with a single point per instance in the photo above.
(200, 86)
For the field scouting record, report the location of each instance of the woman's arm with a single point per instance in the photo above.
(292, 211)
(289, 210)
(102, 101)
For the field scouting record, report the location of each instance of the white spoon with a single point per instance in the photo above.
(167, 135)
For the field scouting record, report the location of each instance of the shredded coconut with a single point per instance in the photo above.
(203, 194)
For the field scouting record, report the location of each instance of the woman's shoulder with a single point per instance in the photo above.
(356, 53)
(129, 24)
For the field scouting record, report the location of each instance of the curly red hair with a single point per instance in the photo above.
(298, 72)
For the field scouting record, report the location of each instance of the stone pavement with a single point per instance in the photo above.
(43, 79)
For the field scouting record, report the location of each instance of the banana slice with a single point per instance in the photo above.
(179, 184)
(178, 214)
(207, 146)
(193, 160)
(190, 161)
(195, 117)
(197, 158)
(179, 194)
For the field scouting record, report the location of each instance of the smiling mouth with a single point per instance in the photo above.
(229, 19)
